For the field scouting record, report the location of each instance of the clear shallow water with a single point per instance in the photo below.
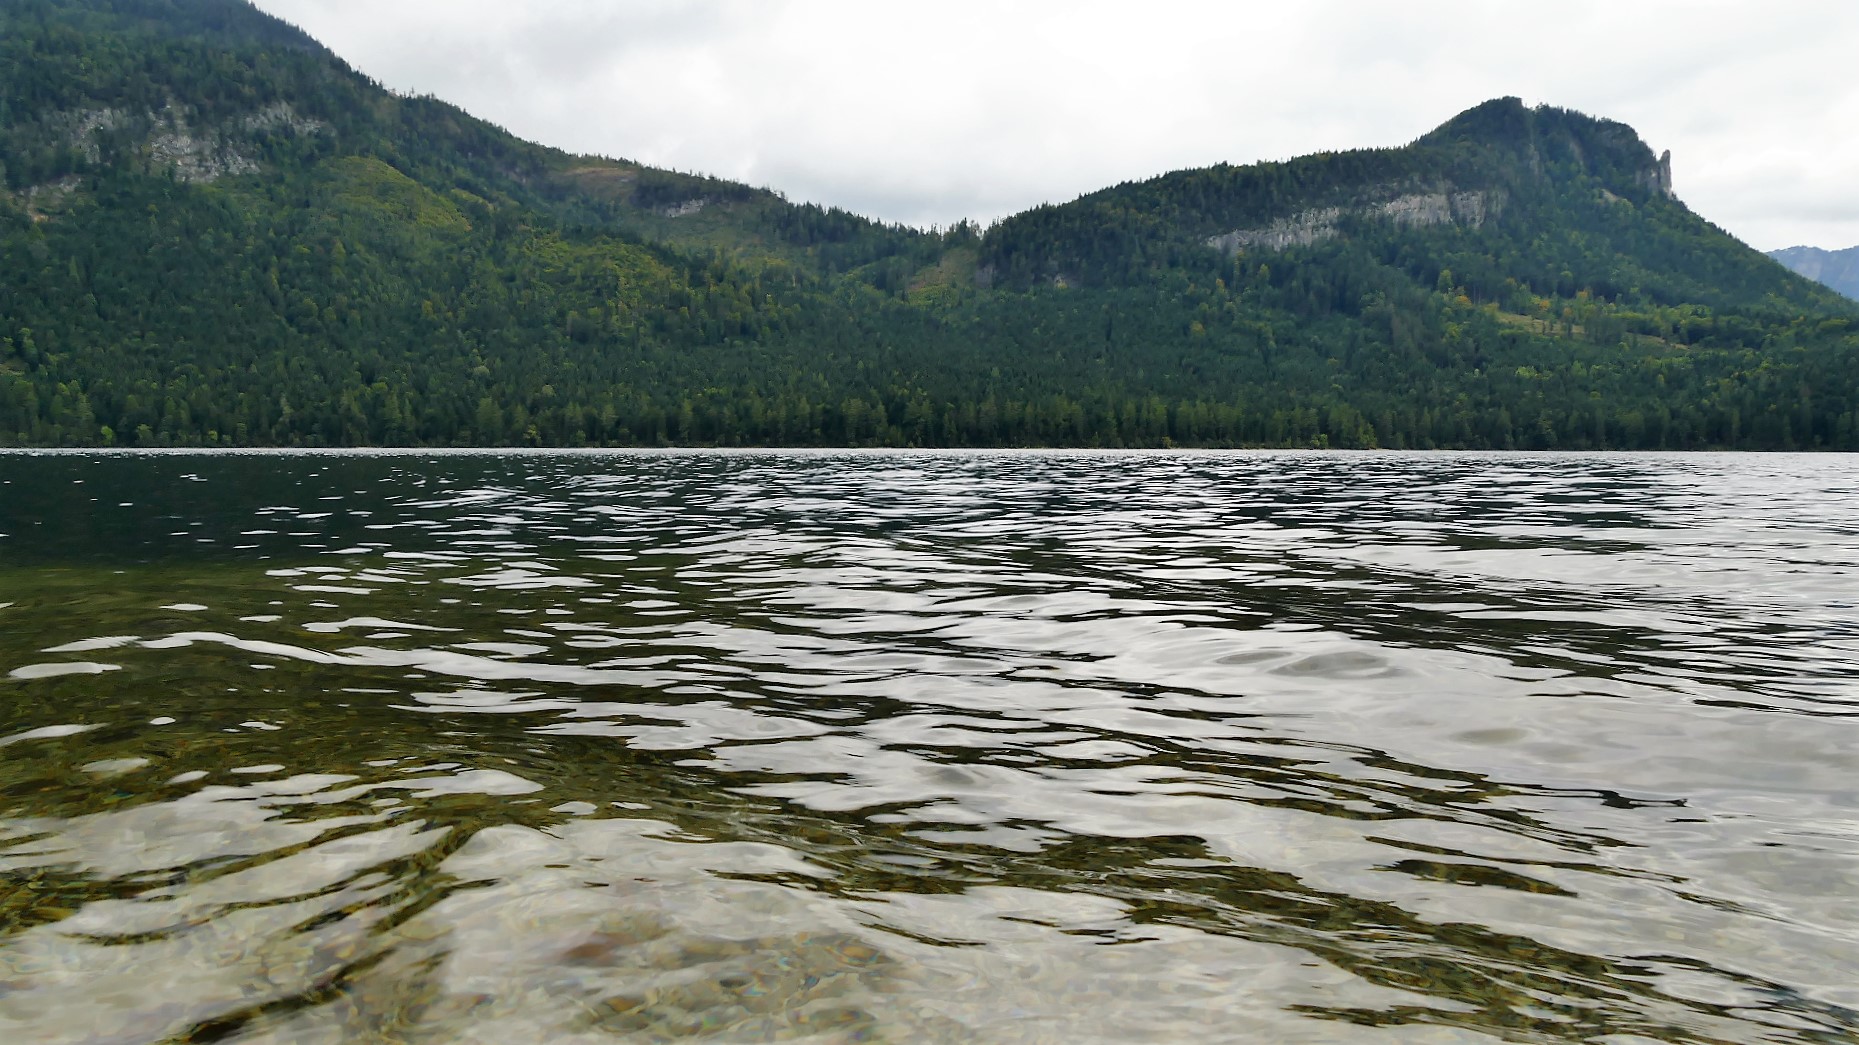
(888, 747)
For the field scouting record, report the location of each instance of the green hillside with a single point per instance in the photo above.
(213, 232)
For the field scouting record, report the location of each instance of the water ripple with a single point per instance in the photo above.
(859, 746)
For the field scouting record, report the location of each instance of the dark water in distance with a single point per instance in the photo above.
(1057, 747)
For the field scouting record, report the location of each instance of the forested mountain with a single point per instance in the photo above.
(1838, 269)
(214, 232)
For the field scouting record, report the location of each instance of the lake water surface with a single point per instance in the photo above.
(1056, 747)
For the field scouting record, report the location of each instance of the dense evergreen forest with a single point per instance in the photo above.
(215, 233)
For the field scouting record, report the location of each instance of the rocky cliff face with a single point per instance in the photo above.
(169, 141)
(1414, 210)
(1658, 178)
(1298, 230)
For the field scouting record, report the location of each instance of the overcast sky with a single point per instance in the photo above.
(927, 113)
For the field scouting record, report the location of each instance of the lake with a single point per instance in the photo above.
(1067, 747)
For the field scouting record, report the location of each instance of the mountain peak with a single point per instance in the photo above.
(1559, 141)
(1496, 121)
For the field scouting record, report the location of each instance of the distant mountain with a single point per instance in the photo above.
(214, 232)
(1838, 269)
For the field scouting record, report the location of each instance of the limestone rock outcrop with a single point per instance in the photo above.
(1470, 209)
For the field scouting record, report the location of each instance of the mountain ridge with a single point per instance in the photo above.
(216, 232)
(1467, 170)
(1838, 269)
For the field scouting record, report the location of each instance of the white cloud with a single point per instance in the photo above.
(930, 113)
